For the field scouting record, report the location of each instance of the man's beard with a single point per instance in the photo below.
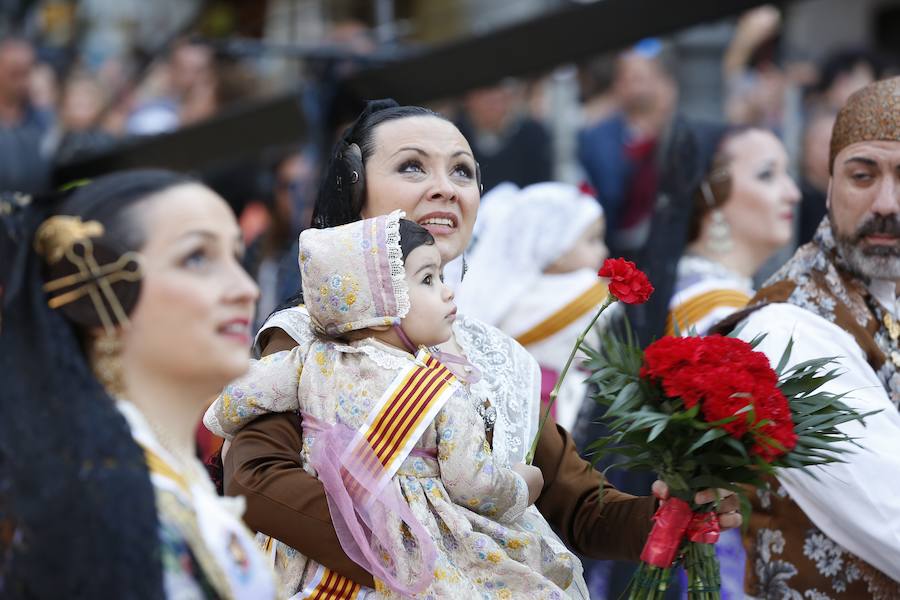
(866, 260)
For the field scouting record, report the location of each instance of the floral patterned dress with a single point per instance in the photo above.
(489, 543)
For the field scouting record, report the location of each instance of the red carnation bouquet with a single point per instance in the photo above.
(701, 412)
(707, 412)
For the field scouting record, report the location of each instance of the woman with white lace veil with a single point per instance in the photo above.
(533, 275)
(411, 159)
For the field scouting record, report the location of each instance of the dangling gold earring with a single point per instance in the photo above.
(719, 241)
(106, 361)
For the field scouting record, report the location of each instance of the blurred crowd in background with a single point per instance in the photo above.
(78, 79)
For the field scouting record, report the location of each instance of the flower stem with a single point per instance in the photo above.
(529, 458)
(702, 567)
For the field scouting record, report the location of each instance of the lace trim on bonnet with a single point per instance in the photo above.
(395, 261)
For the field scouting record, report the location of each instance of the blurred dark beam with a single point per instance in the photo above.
(233, 135)
(569, 34)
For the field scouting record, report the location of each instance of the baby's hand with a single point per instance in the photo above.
(533, 477)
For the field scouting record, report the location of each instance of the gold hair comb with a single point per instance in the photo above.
(57, 237)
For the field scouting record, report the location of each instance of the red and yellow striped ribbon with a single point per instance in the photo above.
(391, 430)
(691, 311)
(587, 301)
(403, 413)
(329, 585)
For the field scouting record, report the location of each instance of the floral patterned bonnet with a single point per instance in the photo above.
(353, 276)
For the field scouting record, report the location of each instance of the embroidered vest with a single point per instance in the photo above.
(788, 556)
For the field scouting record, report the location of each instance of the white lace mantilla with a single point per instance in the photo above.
(511, 380)
(510, 376)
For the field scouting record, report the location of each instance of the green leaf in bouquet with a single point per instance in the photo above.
(642, 419)
(708, 481)
(736, 446)
(813, 365)
(785, 356)
(812, 441)
(748, 410)
(626, 399)
(602, 374)
(599, 444)
(756, 341)
(657, 429)
(808, 405)
(675, 481)
(721, 459)
(687, 415)
(826, 420)
(709, 436)
(808, 382)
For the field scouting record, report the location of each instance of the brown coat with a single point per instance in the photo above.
(284, 501)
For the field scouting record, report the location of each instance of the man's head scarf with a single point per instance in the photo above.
(871, 114)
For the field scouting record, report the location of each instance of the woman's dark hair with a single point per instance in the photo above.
(687, 158)
(77, 509)
(413, 235)
(342, 191)
(717, 183)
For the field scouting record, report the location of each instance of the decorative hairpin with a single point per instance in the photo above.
(58, 237)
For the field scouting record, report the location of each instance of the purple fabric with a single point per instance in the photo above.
(359, 510)
(373, 270)
(425, 453)
(405, 339)
(472, 376)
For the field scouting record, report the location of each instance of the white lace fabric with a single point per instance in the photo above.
(395, 261)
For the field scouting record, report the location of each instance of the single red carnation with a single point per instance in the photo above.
(626, 282)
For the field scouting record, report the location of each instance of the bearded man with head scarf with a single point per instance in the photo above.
(833, 531)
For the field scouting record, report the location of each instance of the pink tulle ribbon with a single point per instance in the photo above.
(360, 511)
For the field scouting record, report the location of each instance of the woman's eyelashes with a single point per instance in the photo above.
(196, 259)
(411, 166)
(461, 170)
(203, 256)
(767, 173)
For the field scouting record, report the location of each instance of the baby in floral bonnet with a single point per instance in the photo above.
(391, 430)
